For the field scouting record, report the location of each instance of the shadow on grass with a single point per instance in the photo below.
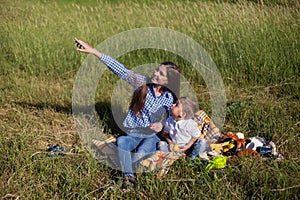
(103, 110)
(105, 114)
(43, 106)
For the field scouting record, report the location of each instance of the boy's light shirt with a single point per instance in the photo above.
(182, 131)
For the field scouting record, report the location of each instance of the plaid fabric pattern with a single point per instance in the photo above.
(159, 162)
(156, 108)
(207, 128)
(108, 151)
(134, 79)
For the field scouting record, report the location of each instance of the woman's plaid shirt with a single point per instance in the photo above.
(156, 108)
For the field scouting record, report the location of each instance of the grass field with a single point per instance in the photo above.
(255, 45)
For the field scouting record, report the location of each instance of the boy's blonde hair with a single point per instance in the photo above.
(189, 106)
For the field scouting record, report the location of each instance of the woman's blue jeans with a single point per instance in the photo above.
(142, 146)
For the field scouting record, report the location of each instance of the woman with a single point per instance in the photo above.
(151, 101)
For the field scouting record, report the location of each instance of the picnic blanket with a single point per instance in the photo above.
(158, 162)
(208, 129)
(108, 151)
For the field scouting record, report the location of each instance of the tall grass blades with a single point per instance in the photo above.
(255, 45)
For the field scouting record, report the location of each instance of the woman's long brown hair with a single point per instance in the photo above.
(139, 96)
(138, 99)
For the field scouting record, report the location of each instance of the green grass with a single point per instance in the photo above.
(255, 46)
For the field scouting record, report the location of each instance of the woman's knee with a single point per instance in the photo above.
(123, 141)
(127, 143)
(146, 147)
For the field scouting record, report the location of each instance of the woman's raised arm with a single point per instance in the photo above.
(115, 66)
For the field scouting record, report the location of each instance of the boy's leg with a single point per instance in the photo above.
(163, 146)
(198, 147)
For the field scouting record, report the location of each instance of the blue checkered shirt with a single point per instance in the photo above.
(156, 108)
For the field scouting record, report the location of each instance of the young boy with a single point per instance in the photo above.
(181, 131)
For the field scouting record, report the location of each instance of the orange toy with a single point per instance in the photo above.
(240, 142)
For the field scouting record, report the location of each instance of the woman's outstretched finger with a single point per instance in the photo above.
(79, 45)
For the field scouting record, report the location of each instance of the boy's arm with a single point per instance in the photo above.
(169, 140)
(167, 137)
(194, 132)
(188, 145)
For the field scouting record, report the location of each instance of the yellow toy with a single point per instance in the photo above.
(175, 148)
(222, 147)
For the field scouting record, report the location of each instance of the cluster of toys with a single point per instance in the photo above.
(235, 144)
(231, 144)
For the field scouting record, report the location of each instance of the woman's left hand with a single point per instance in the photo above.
(85, 48)
(157, 126)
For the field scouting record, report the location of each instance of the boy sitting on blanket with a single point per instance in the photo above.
(181, 131)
